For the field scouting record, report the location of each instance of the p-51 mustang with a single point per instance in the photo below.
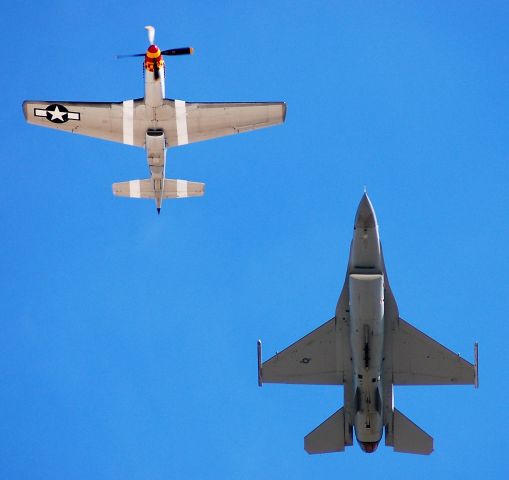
(368, 348)
(155, 123)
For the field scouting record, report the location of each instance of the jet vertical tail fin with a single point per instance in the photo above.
(407, 437)
(327, 437)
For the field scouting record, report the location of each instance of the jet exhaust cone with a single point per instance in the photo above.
(369, 447)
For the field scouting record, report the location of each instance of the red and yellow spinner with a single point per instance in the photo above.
(152, 56)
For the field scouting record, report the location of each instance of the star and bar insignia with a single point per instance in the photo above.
(56, 113)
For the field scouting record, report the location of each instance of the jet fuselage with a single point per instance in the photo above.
(365, 290)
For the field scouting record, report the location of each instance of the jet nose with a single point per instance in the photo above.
(365, 217)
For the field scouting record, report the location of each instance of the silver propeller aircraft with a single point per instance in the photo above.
(155, 123)
(368, 349)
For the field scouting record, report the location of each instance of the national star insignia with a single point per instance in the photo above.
(56, 113)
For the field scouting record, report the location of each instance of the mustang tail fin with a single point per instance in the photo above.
(407, 437)
(156, 188)
(327, 437)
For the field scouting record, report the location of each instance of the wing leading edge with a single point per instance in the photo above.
(420, 360)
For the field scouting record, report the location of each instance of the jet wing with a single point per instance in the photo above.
(420, 360)
(189, 122)
(123, 122)
(312, 360)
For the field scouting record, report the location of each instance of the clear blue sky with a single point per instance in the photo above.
(129, 340)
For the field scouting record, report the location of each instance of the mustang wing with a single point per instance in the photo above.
(127, 122)
(311, 360)
(420, 360)
(189, 122)
(123, 122)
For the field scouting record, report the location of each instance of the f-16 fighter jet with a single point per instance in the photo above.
(155, 123)
(368, 349)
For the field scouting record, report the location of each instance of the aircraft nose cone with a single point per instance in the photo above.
(365, 217)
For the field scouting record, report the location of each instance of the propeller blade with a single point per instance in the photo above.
(156, 70)
(179, 51)
(133, 55)
(151, 31)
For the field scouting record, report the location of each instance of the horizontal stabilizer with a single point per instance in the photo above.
(329, 436)
(408, 437)
(150, 189)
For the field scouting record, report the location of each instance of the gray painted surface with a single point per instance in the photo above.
(368, 349)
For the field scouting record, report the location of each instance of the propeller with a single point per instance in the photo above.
(151, 33)
(129, 56)
(156, 69)
(178, 51)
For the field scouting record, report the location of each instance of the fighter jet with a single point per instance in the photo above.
(155, 123)
(368, 348)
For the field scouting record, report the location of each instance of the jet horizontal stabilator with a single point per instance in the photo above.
(155, 123)
(368, 348)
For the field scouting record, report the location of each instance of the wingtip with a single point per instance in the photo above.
(24, 107)
(158, 210)
(476, 365)
(259, 351)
